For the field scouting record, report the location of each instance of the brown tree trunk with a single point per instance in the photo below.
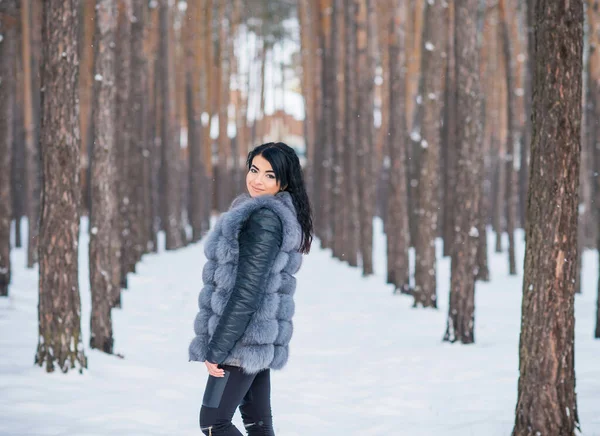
(432, 65)
(365, 158)
(547, 401)
(9, 20)
(224, 185)
(196, 91)
(527, 99)
(171, 218)
(102, 258)
(59, 341)
(461, 309)
(210, 84)
(512, 136)
(397, 219)
(123, 247)
(30, 26)
(338, 198)
(449, 147)
(350, 127)
(139, 134)
(86, 88)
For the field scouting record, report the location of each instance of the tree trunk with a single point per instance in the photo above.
(546, 391)
(9, 20)
(338, 200)
(30, 26)
(224, 186)
(449, 147)
(350, 127)
(102, 256)
(123, 246)
(365, 158)
(86, 88)
(171, 220)
(196, 104)
(512, 137)
(210, 83)
(397, 222)
(461, 309)
(139, 133)
(59, 341)
(432, 66)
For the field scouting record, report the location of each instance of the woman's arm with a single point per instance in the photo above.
(259, 242)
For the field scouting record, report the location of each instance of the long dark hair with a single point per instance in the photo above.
(288, 173)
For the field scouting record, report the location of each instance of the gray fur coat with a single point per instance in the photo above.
(265, 343)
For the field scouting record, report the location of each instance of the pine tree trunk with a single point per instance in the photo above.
(350, 127)
(527, 99)
(30, 26)
(397, 222)
(512, 137)
(59, 341)
(432, 66)
(139, 133)
(86, 88)
(461, 309)
(171, 219)
(449, 148)
(365, 158)
(196, 90)
(338, 200)
(9, 20)
(123, 246)
(102, 258)
(224, 186)
(546, 355)
(210, 84)
(18, 150)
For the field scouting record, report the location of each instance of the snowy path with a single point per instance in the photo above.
(362, 361)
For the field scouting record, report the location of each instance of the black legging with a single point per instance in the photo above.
(252, 393)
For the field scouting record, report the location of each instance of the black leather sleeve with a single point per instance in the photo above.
(259, 241)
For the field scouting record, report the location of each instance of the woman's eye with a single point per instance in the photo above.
(271, 176)
(252, 170)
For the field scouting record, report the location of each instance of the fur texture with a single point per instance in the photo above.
(265, 343)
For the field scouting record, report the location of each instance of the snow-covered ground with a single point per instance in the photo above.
(363, 362)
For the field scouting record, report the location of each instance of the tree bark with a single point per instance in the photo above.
(59, 341)
(512, 137)
(461, 309)
(171, 219)
(224, 187)
(546, 391)
(338, 199)
(365, 158)
(123, 246)
(397, 222)
(196, 91)
(9, 20)
(449, 147)
(102, 257)
(432, 66)
(86, 88)
(29, 25)
(350, 127)
(139, 133)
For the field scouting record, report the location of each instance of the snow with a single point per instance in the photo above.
(363, 361)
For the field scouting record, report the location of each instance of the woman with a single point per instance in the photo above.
(244, 325)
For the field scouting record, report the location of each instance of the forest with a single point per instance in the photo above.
(447, 120)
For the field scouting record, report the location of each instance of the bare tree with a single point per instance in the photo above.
(546, 352)
(461, 310)
(8, 51)
(103, 221)
(59, 341)
(431, 91)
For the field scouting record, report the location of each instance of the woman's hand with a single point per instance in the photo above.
(214, 370)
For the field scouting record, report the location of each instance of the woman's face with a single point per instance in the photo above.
(260, 179)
